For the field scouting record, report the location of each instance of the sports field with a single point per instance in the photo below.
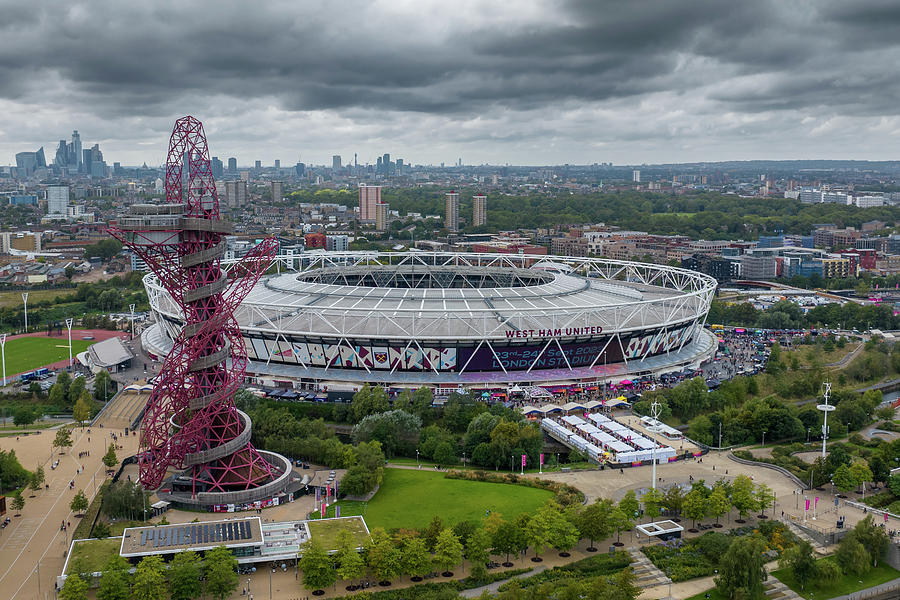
(29, 353)
(412, 498)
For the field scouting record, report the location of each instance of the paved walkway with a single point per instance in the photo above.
(494, 587)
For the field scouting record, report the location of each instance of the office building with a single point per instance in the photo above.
(336, 162)
(232, 165)
(636, 176)
(217, 168)
(277, 191)
(23, 200)
(300, 169)
(75, 157)
(258, 165)
(236, 193)
(28, 162)
(382, 210)
(58, 200)
(277, 163)
(386, 163)
(451, 210)
(369, 198)
(479, 210)
(61, 159)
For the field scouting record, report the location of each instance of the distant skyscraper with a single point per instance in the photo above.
(277, 163)
(399, 166)
(277, 191)
(451, 210)
(479, 210)
(217, 168)
(336, 162)
(27, 162)
(300, 169)
(62, 155)
(245, 176)
(369, 198)
(386, 163)
(636, 176)
(232, 165)
(379, 168)
(57, 199)
(382, 210)
(258, 165)
(75, 157)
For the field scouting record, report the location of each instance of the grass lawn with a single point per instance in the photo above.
(845, 585)
(410, 498)
(714, 594)
(95, 553)
(14, 299)
(29, 353)
(327, 530)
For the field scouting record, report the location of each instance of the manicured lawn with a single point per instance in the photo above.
(29, 353)
(327, 530)
(95, 553)
(714, 594)
(845, 585)
(409, 498)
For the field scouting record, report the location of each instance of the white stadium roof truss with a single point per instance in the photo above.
(621, 297)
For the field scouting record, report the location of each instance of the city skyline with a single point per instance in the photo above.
(548, 83)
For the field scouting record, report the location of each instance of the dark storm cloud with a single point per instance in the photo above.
(635, 64)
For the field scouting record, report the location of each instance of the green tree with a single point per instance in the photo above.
(318, 571)
(220, 571)
(872, 537)
(852, 557)
(696, 506)
(619, 521)
(149, 579)
(593, 521)
(115, 583)
(843, 479)
(82, 409)
(445, 454)
(75, 588)
(673, 499)
(448, 552)
(742, 495)
(350, 564)
(509, 538)
(57, 395)
(368, 401)
(827, 572)
(478, 551)
(764, 497)
(652, 500)
(104, 388)
(630, 505)
(415, 558)
(64, 380)
(110, 459)
(432, 531)
(18, 501)
(563, 532)
(396, 430)
(382, 556)
(860, 472)
(185, 572)
(36, 481)
(75, 389)
(801, 561)
(742, 569)
(79, 503)
(63, 438)
(24, 415)
(719, 504)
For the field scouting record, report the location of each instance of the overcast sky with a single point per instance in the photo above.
(522, 82)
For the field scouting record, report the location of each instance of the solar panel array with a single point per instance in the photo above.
(197, 533)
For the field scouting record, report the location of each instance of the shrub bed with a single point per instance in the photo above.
(439, 591)
(565, 494)
(84, 527)
(593, 566)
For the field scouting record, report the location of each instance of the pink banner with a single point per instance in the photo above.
(807, 504)
(817, 501)
(523, 459)
(323, 510)
(542, 459)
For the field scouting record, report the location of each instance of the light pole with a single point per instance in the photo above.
(808, 430)
(764, 437)
(25, 302)
(417, 459)
(69, 322)
(825, 408)
(3, 351)
(131, 306)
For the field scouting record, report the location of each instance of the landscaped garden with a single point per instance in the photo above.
(412, 498)
(327, 531)
(90, 556)
(846, 584)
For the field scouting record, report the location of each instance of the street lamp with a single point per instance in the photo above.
(764, 438)
(808, 430)
(69, 322)
(417, 459)
(3, 351)
(25, 302)
(131, 306)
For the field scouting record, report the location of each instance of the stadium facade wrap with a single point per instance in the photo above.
(450, 319)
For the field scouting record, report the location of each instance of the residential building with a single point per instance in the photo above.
(382, 210)
(758, 267)
(337, 243)
(315, 241)
(636, 176)
(23, 199)
(232, 166)
(277, 191)
(236, 193)
(451, 210)
(369, 198)
(336, 162)
(479, 210)
(58, 200)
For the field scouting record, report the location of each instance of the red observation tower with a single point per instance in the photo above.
(191, 423)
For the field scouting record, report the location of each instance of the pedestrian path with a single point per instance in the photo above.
(792, 527)
(775, 590)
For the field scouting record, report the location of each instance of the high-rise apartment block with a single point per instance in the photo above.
(382, 210)
(636, 176)
(58, 200)
(217, 168)
(479, 210)
(369, 198)
(277, 191)
(236, 193)
(232, 165)
(258, 165)
(336, 162)
(451, 211)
